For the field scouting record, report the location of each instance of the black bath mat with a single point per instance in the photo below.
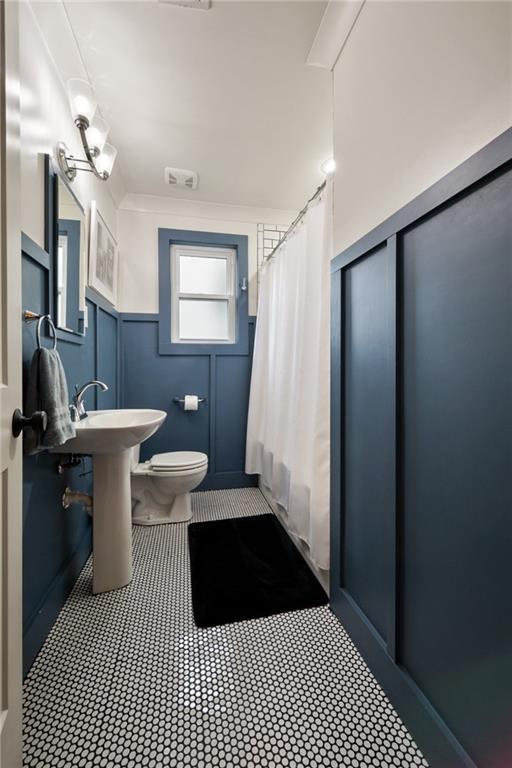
(246, 568)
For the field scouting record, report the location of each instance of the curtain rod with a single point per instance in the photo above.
(296, 221)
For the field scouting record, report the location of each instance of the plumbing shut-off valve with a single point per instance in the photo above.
(70, 497)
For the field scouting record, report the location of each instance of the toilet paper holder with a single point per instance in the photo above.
(181, 400)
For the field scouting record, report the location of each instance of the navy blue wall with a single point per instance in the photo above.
(56, 542)
(127, 356)
(156, 370)
(218, 428)
(421, 465)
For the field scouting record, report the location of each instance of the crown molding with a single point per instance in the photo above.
(333, 32)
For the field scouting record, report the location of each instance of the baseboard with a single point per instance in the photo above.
(224, 480)
(38, 629)
(437, 743)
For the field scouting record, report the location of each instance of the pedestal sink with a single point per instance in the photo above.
(109, 437)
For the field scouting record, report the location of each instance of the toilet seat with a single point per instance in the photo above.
(177, 461)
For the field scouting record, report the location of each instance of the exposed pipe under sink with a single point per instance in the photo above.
(70, 497)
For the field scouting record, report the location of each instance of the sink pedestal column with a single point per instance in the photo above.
(112, 521)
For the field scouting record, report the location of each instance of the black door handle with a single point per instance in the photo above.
(38, 421)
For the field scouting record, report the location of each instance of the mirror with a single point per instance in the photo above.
(69, 252)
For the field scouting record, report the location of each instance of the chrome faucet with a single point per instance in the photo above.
(77, 407)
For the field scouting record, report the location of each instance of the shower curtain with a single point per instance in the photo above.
(288, 421)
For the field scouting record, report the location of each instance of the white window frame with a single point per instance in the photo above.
(205, 252)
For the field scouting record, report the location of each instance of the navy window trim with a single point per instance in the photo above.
(169, 237)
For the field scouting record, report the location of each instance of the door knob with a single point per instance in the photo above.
(38, 421)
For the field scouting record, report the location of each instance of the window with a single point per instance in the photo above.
(203, 296)
(202, 293)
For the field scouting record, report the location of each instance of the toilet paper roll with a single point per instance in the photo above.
(191, 402)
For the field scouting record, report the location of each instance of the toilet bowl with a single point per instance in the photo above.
(161, 486)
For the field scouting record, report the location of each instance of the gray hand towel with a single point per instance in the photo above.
(47, 390)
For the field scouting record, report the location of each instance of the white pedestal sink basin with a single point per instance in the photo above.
(109, 437)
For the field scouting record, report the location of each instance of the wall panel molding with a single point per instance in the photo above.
(218, 428)
(57, 542)
(442, 456)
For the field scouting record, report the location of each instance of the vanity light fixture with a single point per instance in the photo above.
(328, 166)
(99, 156)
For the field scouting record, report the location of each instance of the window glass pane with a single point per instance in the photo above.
(203, 319)
(200, 274)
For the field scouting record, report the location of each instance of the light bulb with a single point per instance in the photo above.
(82, 100)
(97, 134)
(328, 166)
(106, 159)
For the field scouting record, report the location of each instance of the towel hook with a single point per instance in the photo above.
(30, 316)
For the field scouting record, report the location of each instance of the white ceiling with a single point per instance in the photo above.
(224, 92)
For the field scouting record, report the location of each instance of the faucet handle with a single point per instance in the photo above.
(74, 413)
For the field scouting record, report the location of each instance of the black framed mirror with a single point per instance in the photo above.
(65, 241)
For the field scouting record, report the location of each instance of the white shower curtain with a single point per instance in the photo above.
(288, 423)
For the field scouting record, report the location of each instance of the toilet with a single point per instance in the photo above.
(161, 487)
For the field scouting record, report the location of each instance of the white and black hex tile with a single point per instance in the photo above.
(127, 679)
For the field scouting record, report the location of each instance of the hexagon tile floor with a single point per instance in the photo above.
(126, 679)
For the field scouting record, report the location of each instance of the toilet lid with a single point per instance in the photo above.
(178, 460)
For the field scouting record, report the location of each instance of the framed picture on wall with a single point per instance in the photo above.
(103, 257)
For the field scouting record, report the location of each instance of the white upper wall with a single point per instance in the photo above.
(418, 88)
(140, 217)
(45, 120)
(49, 56)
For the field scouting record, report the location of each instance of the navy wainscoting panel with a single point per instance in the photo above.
(457, 384)
(107, 363)
(232, 382)
(56, 542)
(218, 428)
(152, 380)
(369, 429)
(422, 354)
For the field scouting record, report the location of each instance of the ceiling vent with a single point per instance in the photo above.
(179, 177)
(203, 5)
